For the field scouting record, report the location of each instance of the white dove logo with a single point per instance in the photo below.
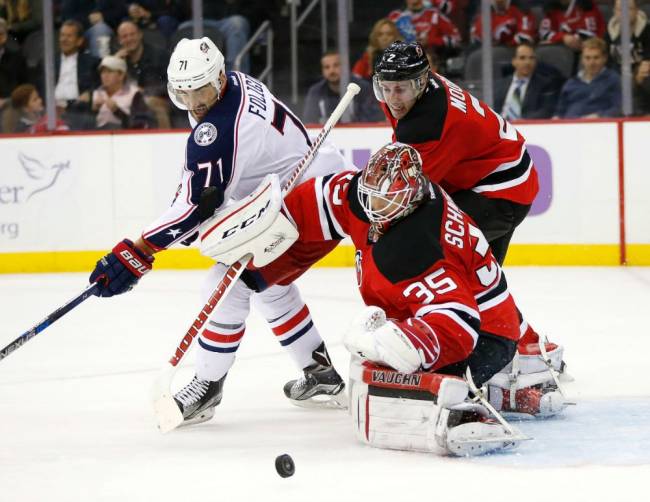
(44, 175)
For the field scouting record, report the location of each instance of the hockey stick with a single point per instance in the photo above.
(167, 412)
(58, 313)
(513, 434)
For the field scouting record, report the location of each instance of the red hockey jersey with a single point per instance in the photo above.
(575, 20)
(465, 144)
(509, 27)
(432, 272)
(427, 26)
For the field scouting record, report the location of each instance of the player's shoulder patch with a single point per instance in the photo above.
(412, 246)
(205, 134)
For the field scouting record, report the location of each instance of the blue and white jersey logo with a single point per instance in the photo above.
(205, 134)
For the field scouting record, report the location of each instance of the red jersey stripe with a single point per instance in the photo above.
(291, 323)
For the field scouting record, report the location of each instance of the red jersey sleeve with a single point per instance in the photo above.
(444, 321)
(526, 28)
(318, 207)
(362, 67)
(443, 33)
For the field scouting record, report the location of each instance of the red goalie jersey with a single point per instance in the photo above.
(432, 272)
(464, 144)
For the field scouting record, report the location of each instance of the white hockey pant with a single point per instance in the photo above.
(281, 306)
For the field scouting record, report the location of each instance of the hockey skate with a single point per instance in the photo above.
(531, 385)
(320, 386)
(198, 399)
(471, 433)
(536, 401)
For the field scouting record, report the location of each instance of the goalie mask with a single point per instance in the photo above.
(392, 185)
(193, 74)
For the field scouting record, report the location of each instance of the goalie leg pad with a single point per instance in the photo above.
(412, 412)
(527, 384)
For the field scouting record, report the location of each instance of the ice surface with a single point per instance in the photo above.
(76, 423)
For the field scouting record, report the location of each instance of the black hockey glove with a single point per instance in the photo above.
(121, 269)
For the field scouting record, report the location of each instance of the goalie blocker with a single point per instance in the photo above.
(422, 411)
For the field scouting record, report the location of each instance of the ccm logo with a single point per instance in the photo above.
(245, 223)
(134, 262)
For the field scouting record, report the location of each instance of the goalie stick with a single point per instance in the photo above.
(167, 412)
(50, 319)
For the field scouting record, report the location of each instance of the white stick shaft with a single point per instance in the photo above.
(350, 93)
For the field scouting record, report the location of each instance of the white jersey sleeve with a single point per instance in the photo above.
(246, 135)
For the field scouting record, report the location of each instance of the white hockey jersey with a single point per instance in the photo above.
(246, 135)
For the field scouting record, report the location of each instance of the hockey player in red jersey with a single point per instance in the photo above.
(438, 300)
(429, 26)
(478, 157)
(470, 150)
(510, 26)
(569, 22)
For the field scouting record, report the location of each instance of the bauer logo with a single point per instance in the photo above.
(205, 134)
(36, 177)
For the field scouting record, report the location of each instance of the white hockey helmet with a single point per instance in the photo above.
(193, 64)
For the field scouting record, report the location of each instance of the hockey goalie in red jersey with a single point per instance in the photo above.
(437, 304)
(475, 155)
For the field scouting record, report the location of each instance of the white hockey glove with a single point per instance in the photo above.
(379, 340)
(253, 225)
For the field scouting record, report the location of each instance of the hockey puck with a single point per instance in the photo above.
(285, 466)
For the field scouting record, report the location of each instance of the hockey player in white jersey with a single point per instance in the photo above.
(241, 132)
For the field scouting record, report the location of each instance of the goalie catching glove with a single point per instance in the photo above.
(253, 226)
(121, 269)
(406, 346)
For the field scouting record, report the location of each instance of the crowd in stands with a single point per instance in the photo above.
(553, 58)
(110, 59)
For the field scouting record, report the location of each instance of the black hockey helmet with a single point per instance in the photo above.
(402, 61)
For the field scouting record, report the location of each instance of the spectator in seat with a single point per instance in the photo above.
(428, 26)
(510, 26)
(23, 17)
(147, 66)
(118, 103)
(163, 15)
(639, 32)
(642, 88)
(26, 113)
(232, 19)
(596, 90)
(570, 22)
(13, 70)
(76, 76)
(529, 94)
(383, 33)
(99, 17)
(323, 96)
